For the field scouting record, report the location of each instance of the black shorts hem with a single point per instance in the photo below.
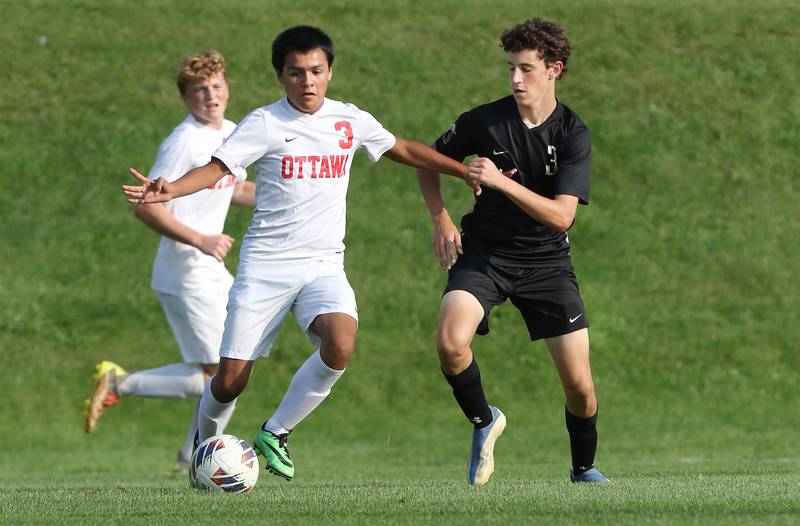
(556, 333)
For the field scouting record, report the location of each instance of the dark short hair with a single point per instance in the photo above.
(302, 39)
(545, 37)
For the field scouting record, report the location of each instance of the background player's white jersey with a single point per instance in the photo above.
(179, 268)
(302, 172)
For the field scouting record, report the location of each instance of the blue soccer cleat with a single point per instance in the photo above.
(481, 460)
(590, 476)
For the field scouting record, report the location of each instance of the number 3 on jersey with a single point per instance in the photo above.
(347, 142)
(551, 167)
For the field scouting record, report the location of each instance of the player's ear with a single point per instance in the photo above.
(281, 79)
(556, 69)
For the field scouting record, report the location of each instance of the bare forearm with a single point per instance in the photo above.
(244, 194)
(157, 217)
(557, 213)
(198, 178)
(430, 186)
(420, 156)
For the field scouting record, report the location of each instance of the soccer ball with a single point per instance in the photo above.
(224, 463)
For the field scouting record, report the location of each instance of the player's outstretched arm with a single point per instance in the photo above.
(446, 237)
(161, 190)
(160, 219)
(420, 156)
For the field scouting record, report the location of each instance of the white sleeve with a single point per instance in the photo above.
(375, 139)
(245, 145)
(241, 174)
(173, 159)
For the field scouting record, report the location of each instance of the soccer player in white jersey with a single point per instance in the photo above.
(189, 275)
(292, 256)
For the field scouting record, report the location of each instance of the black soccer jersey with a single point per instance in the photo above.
(552, 158)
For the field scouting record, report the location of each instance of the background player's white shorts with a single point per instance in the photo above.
(257, 307)
(197, 321)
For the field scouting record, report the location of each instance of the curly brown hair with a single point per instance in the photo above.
(545, 37)
(199, 66)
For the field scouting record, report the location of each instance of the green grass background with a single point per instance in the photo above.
(687, 258)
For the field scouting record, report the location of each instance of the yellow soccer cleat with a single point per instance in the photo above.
(104, 395)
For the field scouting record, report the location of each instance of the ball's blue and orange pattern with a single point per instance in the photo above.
(227, 482)
(204, 453)
(248, 457)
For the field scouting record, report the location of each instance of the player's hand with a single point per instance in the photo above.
(475, 185)
(149, 191)
(216, 245)
(446, 240)
(483, 171)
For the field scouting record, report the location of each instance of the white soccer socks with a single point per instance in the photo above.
(310, 385)
(213, 416)
(185, 454)
(178, 380)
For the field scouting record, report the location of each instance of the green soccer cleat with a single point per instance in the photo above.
(273, 448)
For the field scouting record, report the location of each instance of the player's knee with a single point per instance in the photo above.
(346, 343)
(227, 388)
(454, 359)
(580, 392)
(451, 345)
(340, 346)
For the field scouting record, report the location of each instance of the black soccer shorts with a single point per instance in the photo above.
(548, 298)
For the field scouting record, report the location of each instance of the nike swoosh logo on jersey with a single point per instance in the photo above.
(495, 152)
(572, 320)
(287, 139)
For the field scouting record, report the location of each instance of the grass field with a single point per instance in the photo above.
(396, 498)
(687, 259)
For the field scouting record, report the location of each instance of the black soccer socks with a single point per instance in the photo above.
(468, 392)
(582, 441)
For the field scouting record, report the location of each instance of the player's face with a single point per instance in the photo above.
(207, 100)
(305, 78)
(530, 77)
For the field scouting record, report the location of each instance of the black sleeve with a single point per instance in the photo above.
(575, 165)
(457, 141)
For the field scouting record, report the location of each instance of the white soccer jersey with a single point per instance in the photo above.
(179, 268)
(302, 172)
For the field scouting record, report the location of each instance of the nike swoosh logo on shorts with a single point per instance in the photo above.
(287, 139)
(495, 152)
(572, 320)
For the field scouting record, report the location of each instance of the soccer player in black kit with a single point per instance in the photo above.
(533, 157)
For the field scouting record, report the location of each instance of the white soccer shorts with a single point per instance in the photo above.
(257, 307)
(197, 321)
